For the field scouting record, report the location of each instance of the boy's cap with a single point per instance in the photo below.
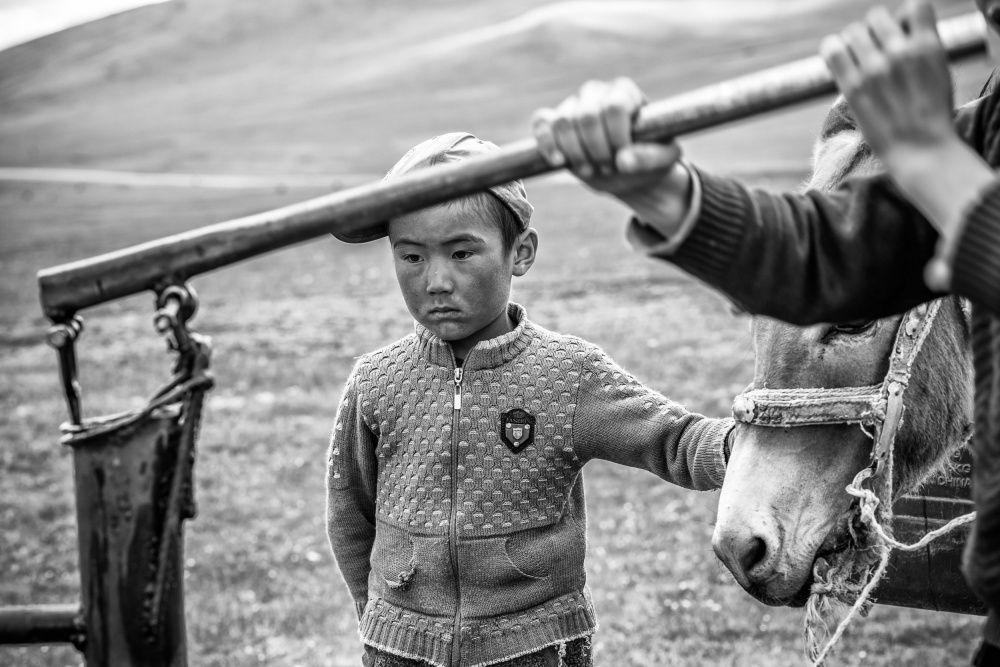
(445, 149)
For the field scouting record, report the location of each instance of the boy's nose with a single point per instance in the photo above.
(439, 281)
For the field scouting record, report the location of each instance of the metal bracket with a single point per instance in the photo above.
(175, 306)
(62, 337)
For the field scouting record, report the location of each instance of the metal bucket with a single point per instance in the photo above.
(931, 578)
(133, 492)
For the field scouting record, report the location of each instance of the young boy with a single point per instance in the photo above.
(455, 494)
(861, 252)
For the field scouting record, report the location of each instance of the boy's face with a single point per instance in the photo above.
(454, 270)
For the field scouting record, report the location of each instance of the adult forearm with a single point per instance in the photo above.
(946, 182)
(856, 253)
(943, 181)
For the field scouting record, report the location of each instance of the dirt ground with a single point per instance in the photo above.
(259, 88)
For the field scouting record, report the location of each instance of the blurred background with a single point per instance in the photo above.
(123, 121)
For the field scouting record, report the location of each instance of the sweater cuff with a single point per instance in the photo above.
(714, 242)
(715, 464)
(976, 267)
(652, 239)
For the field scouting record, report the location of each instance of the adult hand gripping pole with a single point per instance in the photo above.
(69, 288)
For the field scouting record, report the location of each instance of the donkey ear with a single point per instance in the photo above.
(839, 119)
(840, 151)
(835, 158)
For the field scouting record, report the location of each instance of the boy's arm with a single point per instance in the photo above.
(350, 499)
(619, 419)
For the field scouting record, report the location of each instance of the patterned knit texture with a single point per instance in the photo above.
(708, 251)
(442, 529)
(575, 653)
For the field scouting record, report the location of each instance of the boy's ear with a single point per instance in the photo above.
(524, 251)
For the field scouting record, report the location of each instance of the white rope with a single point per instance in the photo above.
(856, 607)
(923, 541)
(868, 503)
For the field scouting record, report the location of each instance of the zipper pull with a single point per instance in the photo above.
(458, 388)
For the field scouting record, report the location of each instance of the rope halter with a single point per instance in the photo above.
(878, 406)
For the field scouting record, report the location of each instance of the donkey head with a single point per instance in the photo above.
(783, 504)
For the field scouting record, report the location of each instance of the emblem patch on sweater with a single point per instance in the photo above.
(517, 429)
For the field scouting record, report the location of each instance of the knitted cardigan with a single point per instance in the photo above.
(461, 541)
(859, 252)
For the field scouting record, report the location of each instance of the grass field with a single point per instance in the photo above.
(261, 584)
(262, 587)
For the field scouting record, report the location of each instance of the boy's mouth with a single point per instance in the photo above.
(441, 311)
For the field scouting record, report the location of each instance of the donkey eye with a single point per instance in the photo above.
(851, 328)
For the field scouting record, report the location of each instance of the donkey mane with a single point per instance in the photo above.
(939, 400)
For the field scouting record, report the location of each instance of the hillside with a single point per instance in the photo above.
(310, 86)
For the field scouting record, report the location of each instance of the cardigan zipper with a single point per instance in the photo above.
(456, 648)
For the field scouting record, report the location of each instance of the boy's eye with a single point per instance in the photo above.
(462, 254)
(411, 259)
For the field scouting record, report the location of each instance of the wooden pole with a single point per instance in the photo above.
(72, 287)
(42, 624)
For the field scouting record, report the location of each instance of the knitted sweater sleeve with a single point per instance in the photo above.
(976, 264)
(350, 482)
(857, 252)
(619, 419)
(976, 275)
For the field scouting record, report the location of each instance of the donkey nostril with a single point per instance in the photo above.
(753, 553)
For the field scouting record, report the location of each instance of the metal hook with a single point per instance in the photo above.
(62, 336)
(176, 305)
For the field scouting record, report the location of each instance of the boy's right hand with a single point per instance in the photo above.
(591, 134)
